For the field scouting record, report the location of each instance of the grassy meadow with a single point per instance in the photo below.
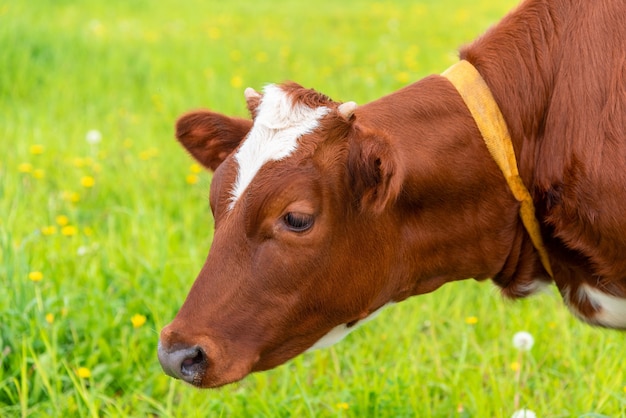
(105, 222)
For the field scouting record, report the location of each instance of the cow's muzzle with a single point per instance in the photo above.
(188, 364)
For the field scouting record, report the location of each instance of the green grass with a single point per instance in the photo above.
(138, 236)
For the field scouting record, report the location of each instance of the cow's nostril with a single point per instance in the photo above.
(188, 364)
(195, 363)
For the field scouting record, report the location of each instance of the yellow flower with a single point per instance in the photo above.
(49, 318)
(25, 168)
(403, 77)
(149, 153)
(49, 230)
(138, 320)
(471, 320)
(36, 149)
(515, 366)
(215, 33)
(88, 231)
(39, 174)
(192, 179)
(35, 276)
(236, 81)
(343, 405)
(87, 181)
(195, 168)
(235, 55)
(262, 57)
(73, 197)
(69, 230)
(83, 373)
(62, 220)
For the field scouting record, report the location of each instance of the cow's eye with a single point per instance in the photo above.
(298, 222)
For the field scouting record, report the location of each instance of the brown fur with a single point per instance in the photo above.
(405, 196)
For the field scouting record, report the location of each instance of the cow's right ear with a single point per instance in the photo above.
(211, 137)
(374, 169)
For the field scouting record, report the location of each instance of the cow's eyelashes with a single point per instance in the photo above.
(298, 222)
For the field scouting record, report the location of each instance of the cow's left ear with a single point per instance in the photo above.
(374, 170)
(210, 137)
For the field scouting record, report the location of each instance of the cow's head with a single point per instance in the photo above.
(297, 195)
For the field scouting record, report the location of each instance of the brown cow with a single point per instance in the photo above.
(325, 212)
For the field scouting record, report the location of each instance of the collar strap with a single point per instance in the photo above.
(486, 113)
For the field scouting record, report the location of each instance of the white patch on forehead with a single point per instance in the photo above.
(339, 332)
(277, 127)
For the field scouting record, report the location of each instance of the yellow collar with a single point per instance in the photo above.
(490, 122)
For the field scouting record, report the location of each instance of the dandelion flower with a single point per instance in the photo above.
(35, 276)
(262, 57)
(403, 77)
(69, 230)
(138, 320)
(195, 168)
(87, 181)
(48, 230)
(36, 149)
(524, 413)
(83, 373)
(214, 33)
(236, 81)
(235, 55)
(471, 320)
(343, 405)
(62, 220)
(523, 341)
(25, 168)
(148, 154)
(39, 174)
(515, 366)
(69, 196)
(49, 318)
(191, 179)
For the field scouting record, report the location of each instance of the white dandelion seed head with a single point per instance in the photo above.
(524, 413)
(93, 136)
(523, 341)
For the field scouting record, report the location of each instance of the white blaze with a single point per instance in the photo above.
(277, 127)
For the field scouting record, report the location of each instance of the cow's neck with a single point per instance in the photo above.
(429, 119)
(474, 229)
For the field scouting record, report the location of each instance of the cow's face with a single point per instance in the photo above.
(298, 197)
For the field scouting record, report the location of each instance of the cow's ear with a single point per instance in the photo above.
(210, 137)
(374, 170)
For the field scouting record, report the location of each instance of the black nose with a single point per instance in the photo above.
(188, 364)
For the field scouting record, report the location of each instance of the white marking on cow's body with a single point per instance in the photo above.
(277, 127)
(339, 332)
(532, 287)
(611, 310)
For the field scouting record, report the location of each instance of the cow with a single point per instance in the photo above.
(326, 211)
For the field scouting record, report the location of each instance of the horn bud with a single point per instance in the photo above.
(253, 98)
(346, 110)
(251, 93)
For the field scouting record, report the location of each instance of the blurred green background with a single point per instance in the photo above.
(104, 220)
